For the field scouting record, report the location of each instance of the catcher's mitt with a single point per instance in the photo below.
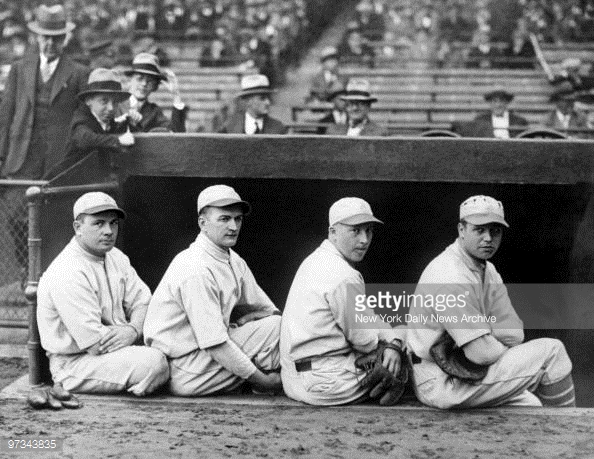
(379, 379)
(451, 359)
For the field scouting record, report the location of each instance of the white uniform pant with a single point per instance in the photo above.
(197, 374)
(509, 381)
(137, 369)
(331, 381)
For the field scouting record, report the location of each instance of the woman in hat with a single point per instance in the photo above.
(143, 115)
(93, 125)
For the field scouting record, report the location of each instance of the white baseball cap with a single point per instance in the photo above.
(480, 210)
(351, 211)
(221, 196)
(95, 202)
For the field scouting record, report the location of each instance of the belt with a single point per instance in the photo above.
(414, 358)
(303, 365)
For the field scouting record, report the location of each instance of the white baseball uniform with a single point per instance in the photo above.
(522, 369)
(79, 296)
(190, 312)
(319, 340)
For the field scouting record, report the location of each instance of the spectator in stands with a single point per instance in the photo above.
(170, 21)
(565, 116)
(338, 115)
(359, 100)
(572, 73)
(520, 53)
(356, 51)
(328, 80)
(143, 115)
(221, 51)
(39, 100)
(256, 97)
(14, 43)
(483, 55)
(500, 122)
(371, 23)
(93, 125)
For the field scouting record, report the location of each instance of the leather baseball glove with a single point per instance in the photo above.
(379, 379)
(451, 359)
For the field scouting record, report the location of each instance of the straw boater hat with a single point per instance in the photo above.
(146, 64)
(104, 81)
(358, 89)
(50, 20)
(254, 84)
(499, 94)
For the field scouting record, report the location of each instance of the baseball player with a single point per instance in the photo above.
(208, 314)
(91, 306)
(486, 327)
(319, 343)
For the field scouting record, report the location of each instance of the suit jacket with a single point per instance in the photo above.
(370, 129)
(482, 126)
(87, 136)
(576, 121)
(153, 117)
(320, 89)
(18, 108)
(235, 125)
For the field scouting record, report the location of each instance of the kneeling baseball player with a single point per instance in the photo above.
(325, 360)
(460, 362)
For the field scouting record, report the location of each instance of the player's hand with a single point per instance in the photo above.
(126, 139)
(391, 361)
(116, 338)
(250, 317)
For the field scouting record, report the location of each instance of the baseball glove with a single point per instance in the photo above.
(451, 359)
(379, 379)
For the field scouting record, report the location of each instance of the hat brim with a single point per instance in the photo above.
(358, 98)
(484, 219)
(131, 72)
(359, 220)
(329, 56)
(252, 92)
(120, 96)
(36, 28)
(104, 208)
(247, 208)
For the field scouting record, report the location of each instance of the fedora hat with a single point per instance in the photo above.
(104, 81)
(358, 89)
(146, 64)
(254, 84)
(499, 94)
(329, 52)
(563, 94)
(50, 20)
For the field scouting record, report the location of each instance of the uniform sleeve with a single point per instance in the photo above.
(342, 306)
(136, 299)
(78, 307)
(200, 298)
(508, 328)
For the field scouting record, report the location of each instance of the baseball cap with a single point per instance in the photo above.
(480, 210)
(351, 211)
(95, 202)
(221, 196)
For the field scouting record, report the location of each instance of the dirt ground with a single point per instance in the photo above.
(221, 428)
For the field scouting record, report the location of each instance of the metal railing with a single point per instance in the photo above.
(13, 251)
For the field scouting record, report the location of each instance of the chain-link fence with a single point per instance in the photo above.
(13, 251)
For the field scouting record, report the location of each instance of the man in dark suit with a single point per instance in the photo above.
(255, 96)
(143, 115)
(359, 100)
(38, 103)
(565, 116)
(499, 123)
(39, 100)
(328, 80)
(338, 115)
